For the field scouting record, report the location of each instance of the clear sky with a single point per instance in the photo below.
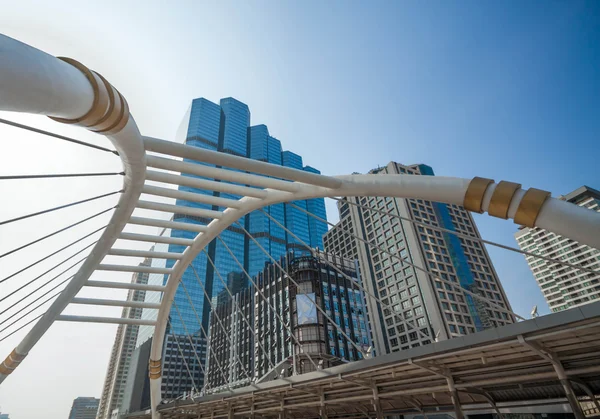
(506, 90)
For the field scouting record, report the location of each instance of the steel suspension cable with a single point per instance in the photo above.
(219, 320)
(32, 302)
(431, 275)
(21, 327)
(473, 238)
(340, 330)
(266, 300)
(23, 217)
(360, 286)
(31, 311)
(51, 269)
(60, 137)
(46, 293)
(182, 355)
(203, 331)
(60, 175)
(35, 279)
(48, 282)
(55, 233)
(51, 254)
(237, 305)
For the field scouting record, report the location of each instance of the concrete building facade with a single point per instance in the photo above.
(564, 287)
(426, 304)
(240, 354)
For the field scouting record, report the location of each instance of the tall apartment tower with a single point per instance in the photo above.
(418, 308)
(226, 128)
(120, 357)
(240, 354)
(563, 286)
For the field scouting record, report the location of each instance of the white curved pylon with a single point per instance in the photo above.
(34, 82)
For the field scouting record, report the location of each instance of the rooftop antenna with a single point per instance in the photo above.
(534, 312)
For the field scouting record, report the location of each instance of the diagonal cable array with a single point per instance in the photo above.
(21, 327)
(417, 267)
(50, 255)
(54, 233)
(60, 175)
(72, 204)
(58, 136)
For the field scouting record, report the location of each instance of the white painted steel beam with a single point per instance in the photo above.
(242, 178)
(241, 163)
(196, 212)
(144, 254)
(156, 239)
(124, 285)
(191, 196)
(114, 303)
(109, 320)
(174, 225)
(203, 184)
(135, 269)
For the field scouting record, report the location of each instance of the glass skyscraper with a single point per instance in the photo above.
(226, 128)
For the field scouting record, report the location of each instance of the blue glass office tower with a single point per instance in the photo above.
(226, 128)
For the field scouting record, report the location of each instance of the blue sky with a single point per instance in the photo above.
(505, 90)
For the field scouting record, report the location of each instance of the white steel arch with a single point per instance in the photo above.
(32, 81)
(505, 200)
(35, 82)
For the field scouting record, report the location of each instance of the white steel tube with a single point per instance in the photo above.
(204, 184)
(110, 320)
(144, 254)
(197, 212)
(156, 239)
(130, 268)
(34, 82)
(152, 222)
(190, 196)
(242, 178)
(241, 163)
(124, 286)
(114, 303)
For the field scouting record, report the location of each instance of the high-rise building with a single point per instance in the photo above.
(137, 388)
(84, 408)
(241, 352)
(426, 304)
(125, 341)
(564, 286)
(226, 128)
